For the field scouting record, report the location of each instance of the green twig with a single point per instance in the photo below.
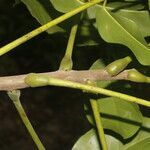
(99, 124)
(66, 63)
(35, 80)
(15, 97)
(98, 119)
(48, 25)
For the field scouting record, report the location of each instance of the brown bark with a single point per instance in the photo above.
(8, 83)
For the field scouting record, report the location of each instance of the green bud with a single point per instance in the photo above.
(136, 76)
(117, 66)
(36, 80)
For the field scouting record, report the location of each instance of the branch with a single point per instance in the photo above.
(17, 82)
(15, 97)
(67, 63)
(36, 80)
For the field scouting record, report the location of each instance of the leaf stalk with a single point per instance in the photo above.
(33, 79)
(45, 27)
(67, 63)
(15, 97)
(99, 124)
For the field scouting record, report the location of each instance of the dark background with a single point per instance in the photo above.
(56, 113)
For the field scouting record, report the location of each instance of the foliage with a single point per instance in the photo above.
(141, 141)
(118, 17)
(116, 22)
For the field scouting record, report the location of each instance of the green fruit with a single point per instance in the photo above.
(35, 80)
(117, 66)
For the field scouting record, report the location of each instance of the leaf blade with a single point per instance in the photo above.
(65, 5)
(142, 139)
(89, 141)
(123, 31)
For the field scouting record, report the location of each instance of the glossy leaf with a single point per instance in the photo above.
(43, 12)
(65, 5)
(119, 116)
(116, 7)
(89, 141)
(118, 29)
(131, 11)
(142, 139)
(128, 10)
(142, 21)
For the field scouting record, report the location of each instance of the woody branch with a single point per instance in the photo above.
(8, 83)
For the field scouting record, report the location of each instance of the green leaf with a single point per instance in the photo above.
(42, 11)
(142, 139)
(89, 141)
(117, 7)
(65, 5)
(118, 115)
(122, 30)
(142, 21)
(131, 12)
(128, 10)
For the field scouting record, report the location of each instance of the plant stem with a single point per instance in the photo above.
(15, 97)
(36, 80)
(48, 25)
(98, 122)
(66, 63)
(98, 90)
